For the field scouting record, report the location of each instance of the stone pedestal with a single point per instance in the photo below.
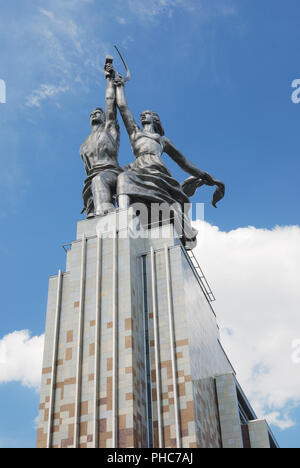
(132, 346)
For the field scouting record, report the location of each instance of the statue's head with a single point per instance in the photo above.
(97, 117)
(150, 117)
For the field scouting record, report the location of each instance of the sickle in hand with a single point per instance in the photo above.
(128, 74)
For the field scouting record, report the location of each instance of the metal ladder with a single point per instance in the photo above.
(201, 276)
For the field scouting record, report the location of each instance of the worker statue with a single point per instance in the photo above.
(100, 151)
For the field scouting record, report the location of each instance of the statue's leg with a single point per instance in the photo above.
(123, 202)
(103, 189)
(123, 199)
(87, 197)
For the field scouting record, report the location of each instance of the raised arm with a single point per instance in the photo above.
(186, 165)
(110, 99)
(128, 119)
(110, 96)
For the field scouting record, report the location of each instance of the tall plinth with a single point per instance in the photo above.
(132, 353)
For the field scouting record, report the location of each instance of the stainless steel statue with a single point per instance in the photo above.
(146, 180)
(99, 153)
(147, 177)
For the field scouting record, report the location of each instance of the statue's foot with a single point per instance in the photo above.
(104, 212)
(105, 209)
(123, 202)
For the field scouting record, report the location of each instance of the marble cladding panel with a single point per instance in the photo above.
(182, 355)
(207, 355)
(152, 352)
(259, 434)
(88, 349)
(166, 376)
(228, 411)
(126, 346)
(198, 355)
(138, 358)
(207, 414)
(47, 366)
(64, 407)
(86, 227)
(183, 380)
(106, 346)
(131, 381)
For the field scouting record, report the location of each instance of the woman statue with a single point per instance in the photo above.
(147, 179)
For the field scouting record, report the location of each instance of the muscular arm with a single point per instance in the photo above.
(126, 114)
(110, 98)
(186, 165)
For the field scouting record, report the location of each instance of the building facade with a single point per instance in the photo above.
(132, 352)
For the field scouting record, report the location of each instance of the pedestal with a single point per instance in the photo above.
(132, 352)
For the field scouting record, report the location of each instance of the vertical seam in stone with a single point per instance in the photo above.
(80, 342)
(172, 343)
(115, 341)
(97, 342)
(218, 411)
(156, 345)
(146, 317)
(54, 357)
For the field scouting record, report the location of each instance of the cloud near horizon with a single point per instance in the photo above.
(21, 358)
(254, 274)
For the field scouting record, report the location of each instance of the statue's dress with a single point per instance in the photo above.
(147, 180)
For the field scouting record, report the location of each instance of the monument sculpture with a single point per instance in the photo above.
(147, 179)
(132, 354)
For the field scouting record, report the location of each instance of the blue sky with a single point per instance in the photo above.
(219, 73)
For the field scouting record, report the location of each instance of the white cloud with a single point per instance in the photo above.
(65, 42)
(254, 274)
(45, 91)
(66, 27)
(36, 423)
(282, 421)
(63, 45)
(47, 13)
(21, 358)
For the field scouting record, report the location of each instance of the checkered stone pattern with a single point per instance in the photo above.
(207, 414)
(198, 353)
(183, 373)
(130, 369)
(64, 408)
(47, 366)
(140, 428)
